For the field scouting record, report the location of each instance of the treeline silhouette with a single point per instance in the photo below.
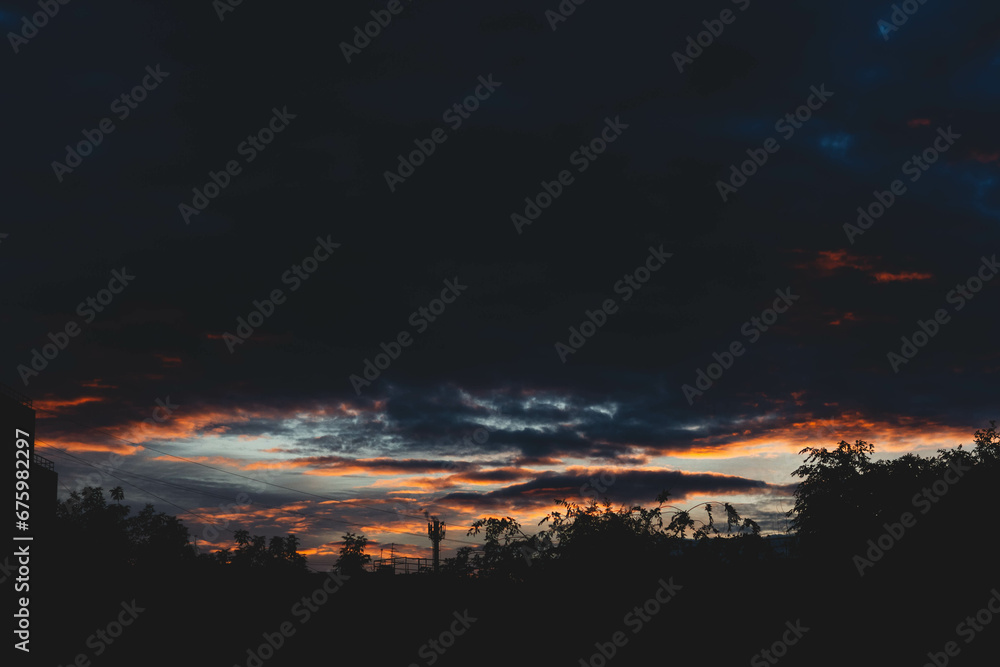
(886, 558)
(151, 540)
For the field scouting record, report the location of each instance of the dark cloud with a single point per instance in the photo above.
(379, 465)
(633, 486)
(487, 364)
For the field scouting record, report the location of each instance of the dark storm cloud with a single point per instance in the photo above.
(344, 444)
(488, 361)
(379, 465)
(496, 475)
(633, 486)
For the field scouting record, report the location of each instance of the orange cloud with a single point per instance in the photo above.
(494, 476)
(186, 423)
(415, 484)
(383, 465)
(214, 524)
(169, 361)
(56, 405)
(903, 434)
(536, 461)
(885, 276)
(72, 444)
(981, 156)
(831, 260)
(97, 384)
(487, 477)
(919, 122)
(850, 317)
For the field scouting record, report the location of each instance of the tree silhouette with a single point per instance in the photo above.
(284, 552)
(461, 564)
(502, 553)
(353, 560)
(155, 539)
(255, 552)
(845, 498)
(833, 493)
(149, 538)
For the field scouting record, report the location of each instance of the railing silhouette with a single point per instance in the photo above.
(43, 462)
(17, 396)
(402, 565)
(777, 546)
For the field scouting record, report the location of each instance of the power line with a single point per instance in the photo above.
(229, 472)
(64, 452)
(216, 495)
(185, 511)
(209, 493)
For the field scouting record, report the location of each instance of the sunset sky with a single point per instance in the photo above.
(482, 412)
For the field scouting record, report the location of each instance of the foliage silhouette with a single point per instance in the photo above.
(353, 560)
(587, 567)
(155, 539)
(253, 551)
(149, 538)
(846, 498)
(581, 537)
